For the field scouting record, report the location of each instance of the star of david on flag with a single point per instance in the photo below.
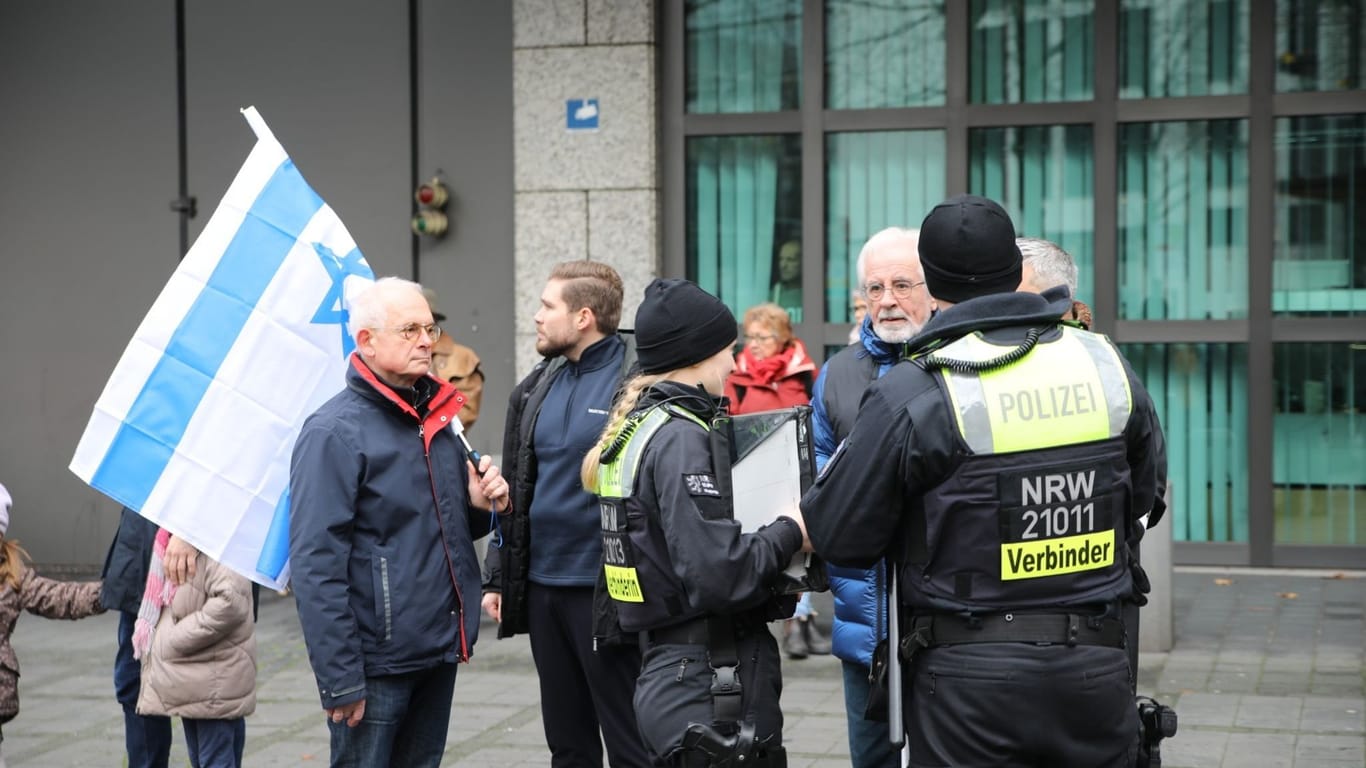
(195, 427)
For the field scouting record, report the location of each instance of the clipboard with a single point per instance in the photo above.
(775, 463)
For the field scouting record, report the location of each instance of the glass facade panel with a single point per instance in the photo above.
(1169, 48)
(1043, 175)
(743, 55)
(1200, 391)
(999, 98)
(1319, 431)
(884, 54)
(1320, 266)
(874, 181)
(743, 204)
(1320, 45)
(1183, 220)
(1040, 50)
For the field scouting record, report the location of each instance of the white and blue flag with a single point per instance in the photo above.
(195, 427)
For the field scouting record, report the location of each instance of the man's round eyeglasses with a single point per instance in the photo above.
(900, 289)
(413, 330)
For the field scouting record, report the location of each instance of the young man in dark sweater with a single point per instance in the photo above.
(541, 581)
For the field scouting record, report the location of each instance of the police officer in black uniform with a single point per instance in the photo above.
(1009, 462)
(678, 568)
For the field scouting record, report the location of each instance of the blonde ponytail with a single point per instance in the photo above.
(630, 397)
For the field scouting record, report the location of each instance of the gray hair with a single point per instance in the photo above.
(881, 240)
(1051, 264)
(370, 307)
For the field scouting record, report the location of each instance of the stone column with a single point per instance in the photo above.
(1155, 626)
(583, 193)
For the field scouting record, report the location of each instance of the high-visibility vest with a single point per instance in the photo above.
(615, 483)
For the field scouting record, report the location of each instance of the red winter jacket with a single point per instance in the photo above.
(781, 381)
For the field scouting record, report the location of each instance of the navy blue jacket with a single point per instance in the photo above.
(385, 576)
(125, 567)
(508, 567)
(860, 593)
(565, 525)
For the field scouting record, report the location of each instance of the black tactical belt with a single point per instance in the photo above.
(1049, 628)
(693, 632)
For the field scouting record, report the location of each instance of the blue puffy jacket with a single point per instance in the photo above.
(860, 599)
(381, 536)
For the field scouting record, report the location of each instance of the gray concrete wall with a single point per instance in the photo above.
(465, 121)
(580, 195)
(88, 152)
(87, 168)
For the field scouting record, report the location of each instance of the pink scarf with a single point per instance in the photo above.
(157, 595)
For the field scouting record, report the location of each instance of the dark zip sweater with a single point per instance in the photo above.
(567, 547)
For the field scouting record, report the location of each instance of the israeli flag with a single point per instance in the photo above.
(195, 428)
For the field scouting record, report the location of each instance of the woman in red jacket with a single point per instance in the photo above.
(773, 370)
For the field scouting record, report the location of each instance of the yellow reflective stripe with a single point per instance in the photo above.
(970, 409)
(617, 478)
(609, 479)
(1118, 396)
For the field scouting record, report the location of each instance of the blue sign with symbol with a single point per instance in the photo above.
(581, 114)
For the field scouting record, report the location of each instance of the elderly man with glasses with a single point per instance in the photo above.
(385, 507)
(893, 283)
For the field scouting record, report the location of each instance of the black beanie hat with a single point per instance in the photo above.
(678, 324)
(967, 249)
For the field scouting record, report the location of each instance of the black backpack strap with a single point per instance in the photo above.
(726, 690)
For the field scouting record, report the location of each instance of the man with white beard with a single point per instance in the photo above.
(891, 280)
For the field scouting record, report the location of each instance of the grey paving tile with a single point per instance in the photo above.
(1195, 749)
(1239, 682)
(1207, 709)
(1283, 685)
(1336, 748)
(1262, 750)
(1321, 714)
(1269, 712)
(1298, 662)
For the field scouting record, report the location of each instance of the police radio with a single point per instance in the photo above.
(1155, 722)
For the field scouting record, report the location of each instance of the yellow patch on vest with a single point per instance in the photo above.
(1053, 557)
(623, 584)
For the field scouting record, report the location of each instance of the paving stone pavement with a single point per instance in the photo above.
(1266, 671)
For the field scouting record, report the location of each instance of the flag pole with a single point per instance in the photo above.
(896, 730)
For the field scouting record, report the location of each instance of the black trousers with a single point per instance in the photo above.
(675, 689)
(583, 691)
(1021, 705)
